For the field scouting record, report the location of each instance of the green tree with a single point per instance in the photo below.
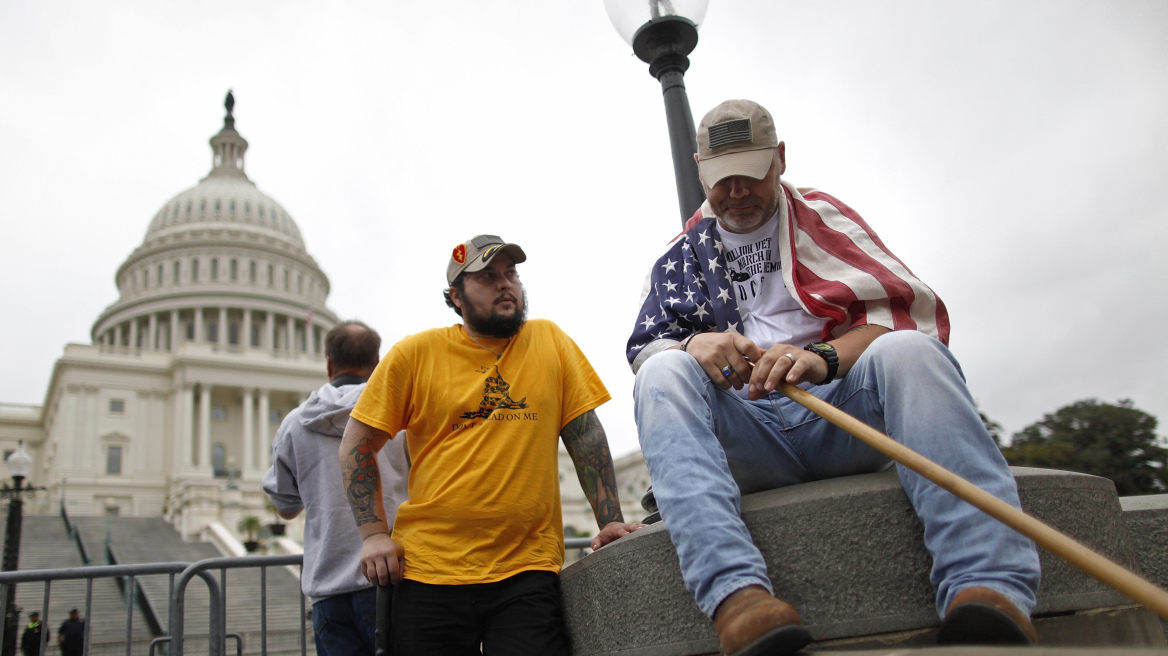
(992, 427)
(1115, 441)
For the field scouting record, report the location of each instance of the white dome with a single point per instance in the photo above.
(220, 244)
(224, 201)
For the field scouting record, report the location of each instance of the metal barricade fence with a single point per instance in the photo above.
(180, 575)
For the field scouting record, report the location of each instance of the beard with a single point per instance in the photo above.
(493, 323)
(748, 213)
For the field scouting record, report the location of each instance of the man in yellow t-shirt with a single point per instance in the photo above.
(476, 551)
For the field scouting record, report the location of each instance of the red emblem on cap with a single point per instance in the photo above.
(459, 254)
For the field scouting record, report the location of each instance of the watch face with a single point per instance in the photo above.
(821, 347)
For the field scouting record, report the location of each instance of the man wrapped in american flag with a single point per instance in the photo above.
(772, 282)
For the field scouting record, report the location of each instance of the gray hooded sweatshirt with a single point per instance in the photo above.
(306, 473)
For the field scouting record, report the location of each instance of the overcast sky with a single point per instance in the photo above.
(1013, 154)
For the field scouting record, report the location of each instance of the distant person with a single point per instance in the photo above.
(71, 635)
(479, 545)
(306, 474)
(30, 640)
(773, 283)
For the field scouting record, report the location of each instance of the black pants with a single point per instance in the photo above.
(516, 616)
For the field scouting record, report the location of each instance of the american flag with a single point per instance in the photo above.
(838, 267)
(728, 132)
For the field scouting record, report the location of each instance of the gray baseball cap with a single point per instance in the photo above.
(736, 138)
(477, 252)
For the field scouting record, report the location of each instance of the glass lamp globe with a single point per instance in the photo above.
(19, 463)
(629, 16)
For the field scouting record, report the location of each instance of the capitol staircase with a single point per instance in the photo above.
(47, 544)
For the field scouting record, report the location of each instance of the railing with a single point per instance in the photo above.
(134, 590)
(174, 637)
(74, 534)
(185, 572)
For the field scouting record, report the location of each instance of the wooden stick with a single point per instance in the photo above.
(1098, 566)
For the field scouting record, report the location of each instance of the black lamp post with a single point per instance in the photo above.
(19, 465)
(662, 34)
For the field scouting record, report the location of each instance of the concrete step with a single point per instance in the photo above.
(150, 540)
(848, 553)
(45, 544)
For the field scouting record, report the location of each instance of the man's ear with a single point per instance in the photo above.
(705, 187)
(782, 155)
(328, 367)
(456, 297)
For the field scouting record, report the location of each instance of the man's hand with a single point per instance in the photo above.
(382, 559)
(613, 531)
(785, 362)
(716, 351)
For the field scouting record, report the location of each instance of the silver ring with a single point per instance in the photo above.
(727, 370)
(788, 355)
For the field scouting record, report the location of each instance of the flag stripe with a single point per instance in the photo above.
(837, 266)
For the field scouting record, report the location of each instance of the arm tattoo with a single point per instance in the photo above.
(364, 481)
(360, 473)
(588, 445)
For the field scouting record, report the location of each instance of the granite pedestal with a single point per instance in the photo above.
(848, 553)
(1146, 518)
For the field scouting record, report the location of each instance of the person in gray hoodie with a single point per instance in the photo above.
(306, 475)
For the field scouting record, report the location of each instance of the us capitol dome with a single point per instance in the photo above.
(216, 334)
(221, 256)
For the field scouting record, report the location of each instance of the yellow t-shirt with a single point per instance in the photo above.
(483, 435)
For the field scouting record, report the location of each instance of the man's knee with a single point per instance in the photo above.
(665, 370)
(911, 352)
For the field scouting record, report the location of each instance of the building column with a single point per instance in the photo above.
(223, 341)
(204, 426)
(290, 338)
(198, 319)
(319, 341)
(184, 423)
(245, 330)
(174, 330)
(262, 440)
(270, 332)
(249, 451)
(134, 333)
(118, 335)
(152, 337)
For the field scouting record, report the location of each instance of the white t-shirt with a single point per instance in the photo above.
(770, 313)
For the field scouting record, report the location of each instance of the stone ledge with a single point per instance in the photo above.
(862, 569)
(1146, 518)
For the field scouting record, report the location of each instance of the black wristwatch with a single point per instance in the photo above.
(827, 352)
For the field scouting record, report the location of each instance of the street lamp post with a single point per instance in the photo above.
(19, 465)
(662, 34)
(111, 509)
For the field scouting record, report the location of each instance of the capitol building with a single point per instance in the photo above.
(217, 333)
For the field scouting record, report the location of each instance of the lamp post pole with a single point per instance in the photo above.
(19, 465)
(662, 34)
(110, 507)
(12, 563)
(665, 43)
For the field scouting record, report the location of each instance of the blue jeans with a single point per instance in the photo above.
(346, 624)
(705, 447)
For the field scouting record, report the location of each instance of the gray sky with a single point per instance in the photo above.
(1013, 154)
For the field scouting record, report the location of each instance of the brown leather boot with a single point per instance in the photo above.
(751, 622)
(981, 616)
